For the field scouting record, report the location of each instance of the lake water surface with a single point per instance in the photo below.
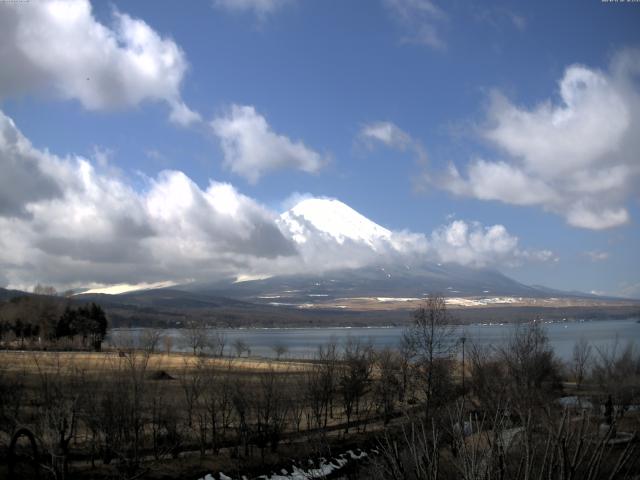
(304, 342)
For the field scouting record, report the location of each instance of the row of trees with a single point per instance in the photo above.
(45, 318)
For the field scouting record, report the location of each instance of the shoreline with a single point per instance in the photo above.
(382, 327)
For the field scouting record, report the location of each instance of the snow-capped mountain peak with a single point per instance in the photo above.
(333, 218)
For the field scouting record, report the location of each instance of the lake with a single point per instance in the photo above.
(303, 342)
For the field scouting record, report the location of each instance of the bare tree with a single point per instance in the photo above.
(218, 401)
(60, 397)
(489, 382)
(321, 385)
(580, 361)
(617, 370)
(388, 383)
(270, 409)
(431, 340)
(45, 290)
(150, 339)
(297, 404)
(168, 344)
(192, 385)
(240, 347)
(532, 369)
(354, 377)
(279, 349)
(12, 390)
(194, 335)
(218, 343)
(122, 413)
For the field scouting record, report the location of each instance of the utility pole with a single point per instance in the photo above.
(463, 339)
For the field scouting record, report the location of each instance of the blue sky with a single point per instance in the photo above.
(381, 98)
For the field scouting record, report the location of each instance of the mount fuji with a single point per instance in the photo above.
(346, 255)
(334, 219)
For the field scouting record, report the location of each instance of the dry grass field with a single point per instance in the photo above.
(32, 362)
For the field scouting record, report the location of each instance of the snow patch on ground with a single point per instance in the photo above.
(478, 302)
(325, 468)
(397, 299)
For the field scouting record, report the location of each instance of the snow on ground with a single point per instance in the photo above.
(478, 302)
(125, 288)
(326, 467)
(397, 299)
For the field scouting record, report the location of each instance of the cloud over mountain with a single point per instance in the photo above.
(90, 226)
(60, 47)
(74, 221)
(577, 157)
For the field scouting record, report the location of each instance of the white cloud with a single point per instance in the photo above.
(182, 115)
(261, 8)
(597, 255)
(387, 133)
(26, 172)
(498, 17)
(577, 157)
(251, 148)
(77, 222)
(323, 244)
(90, 227)
(476, 245)
(391, 136)
(59, 46)
(420, 19)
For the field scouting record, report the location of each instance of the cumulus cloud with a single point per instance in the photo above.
(260, 8)
(59, 46)
(251, 148)
(91, 227)
(420, 19)
(26, 174)
(476, 245)
(576, 157)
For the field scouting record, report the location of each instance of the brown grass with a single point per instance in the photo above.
(96, 362)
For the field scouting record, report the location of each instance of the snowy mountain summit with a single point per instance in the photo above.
(332, 218)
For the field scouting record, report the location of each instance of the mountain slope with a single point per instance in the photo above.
(376, 281)
(6, 294)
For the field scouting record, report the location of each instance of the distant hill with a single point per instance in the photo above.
(6, 294)
(162, 298)
(380, 281)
